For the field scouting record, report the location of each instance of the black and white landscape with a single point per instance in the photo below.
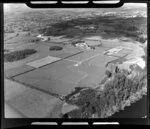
(75, 62)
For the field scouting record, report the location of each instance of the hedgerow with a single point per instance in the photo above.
(18, 55)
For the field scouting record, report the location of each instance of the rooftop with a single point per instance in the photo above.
(93, 43)
(93, 38)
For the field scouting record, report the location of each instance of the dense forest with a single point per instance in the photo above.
(106, 26)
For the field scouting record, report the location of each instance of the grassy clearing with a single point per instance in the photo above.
(18, 55)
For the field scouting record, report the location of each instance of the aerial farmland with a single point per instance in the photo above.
(52, 69)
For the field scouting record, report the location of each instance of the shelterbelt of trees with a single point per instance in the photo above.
(112, 94)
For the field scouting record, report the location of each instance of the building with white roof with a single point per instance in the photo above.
(89, 43)
(94, 41)
(43, 38)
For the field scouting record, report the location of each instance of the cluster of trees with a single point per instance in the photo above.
(33, 40)
(141, 39)
(55, 48)
(18, 55)
(121, 26)
(116, 92)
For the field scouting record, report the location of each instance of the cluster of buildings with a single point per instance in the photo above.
(43, 38)
(89, 43)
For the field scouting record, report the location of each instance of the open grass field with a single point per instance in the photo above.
(95, 69)
(14, 41)
(55, 78)
(43, 61)
(62, 76)
(72, 68)
(42, 49)
(18, 70)
(9, 36)
(22, 39)
(87, 55)
(100, 61)
(28, 102)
